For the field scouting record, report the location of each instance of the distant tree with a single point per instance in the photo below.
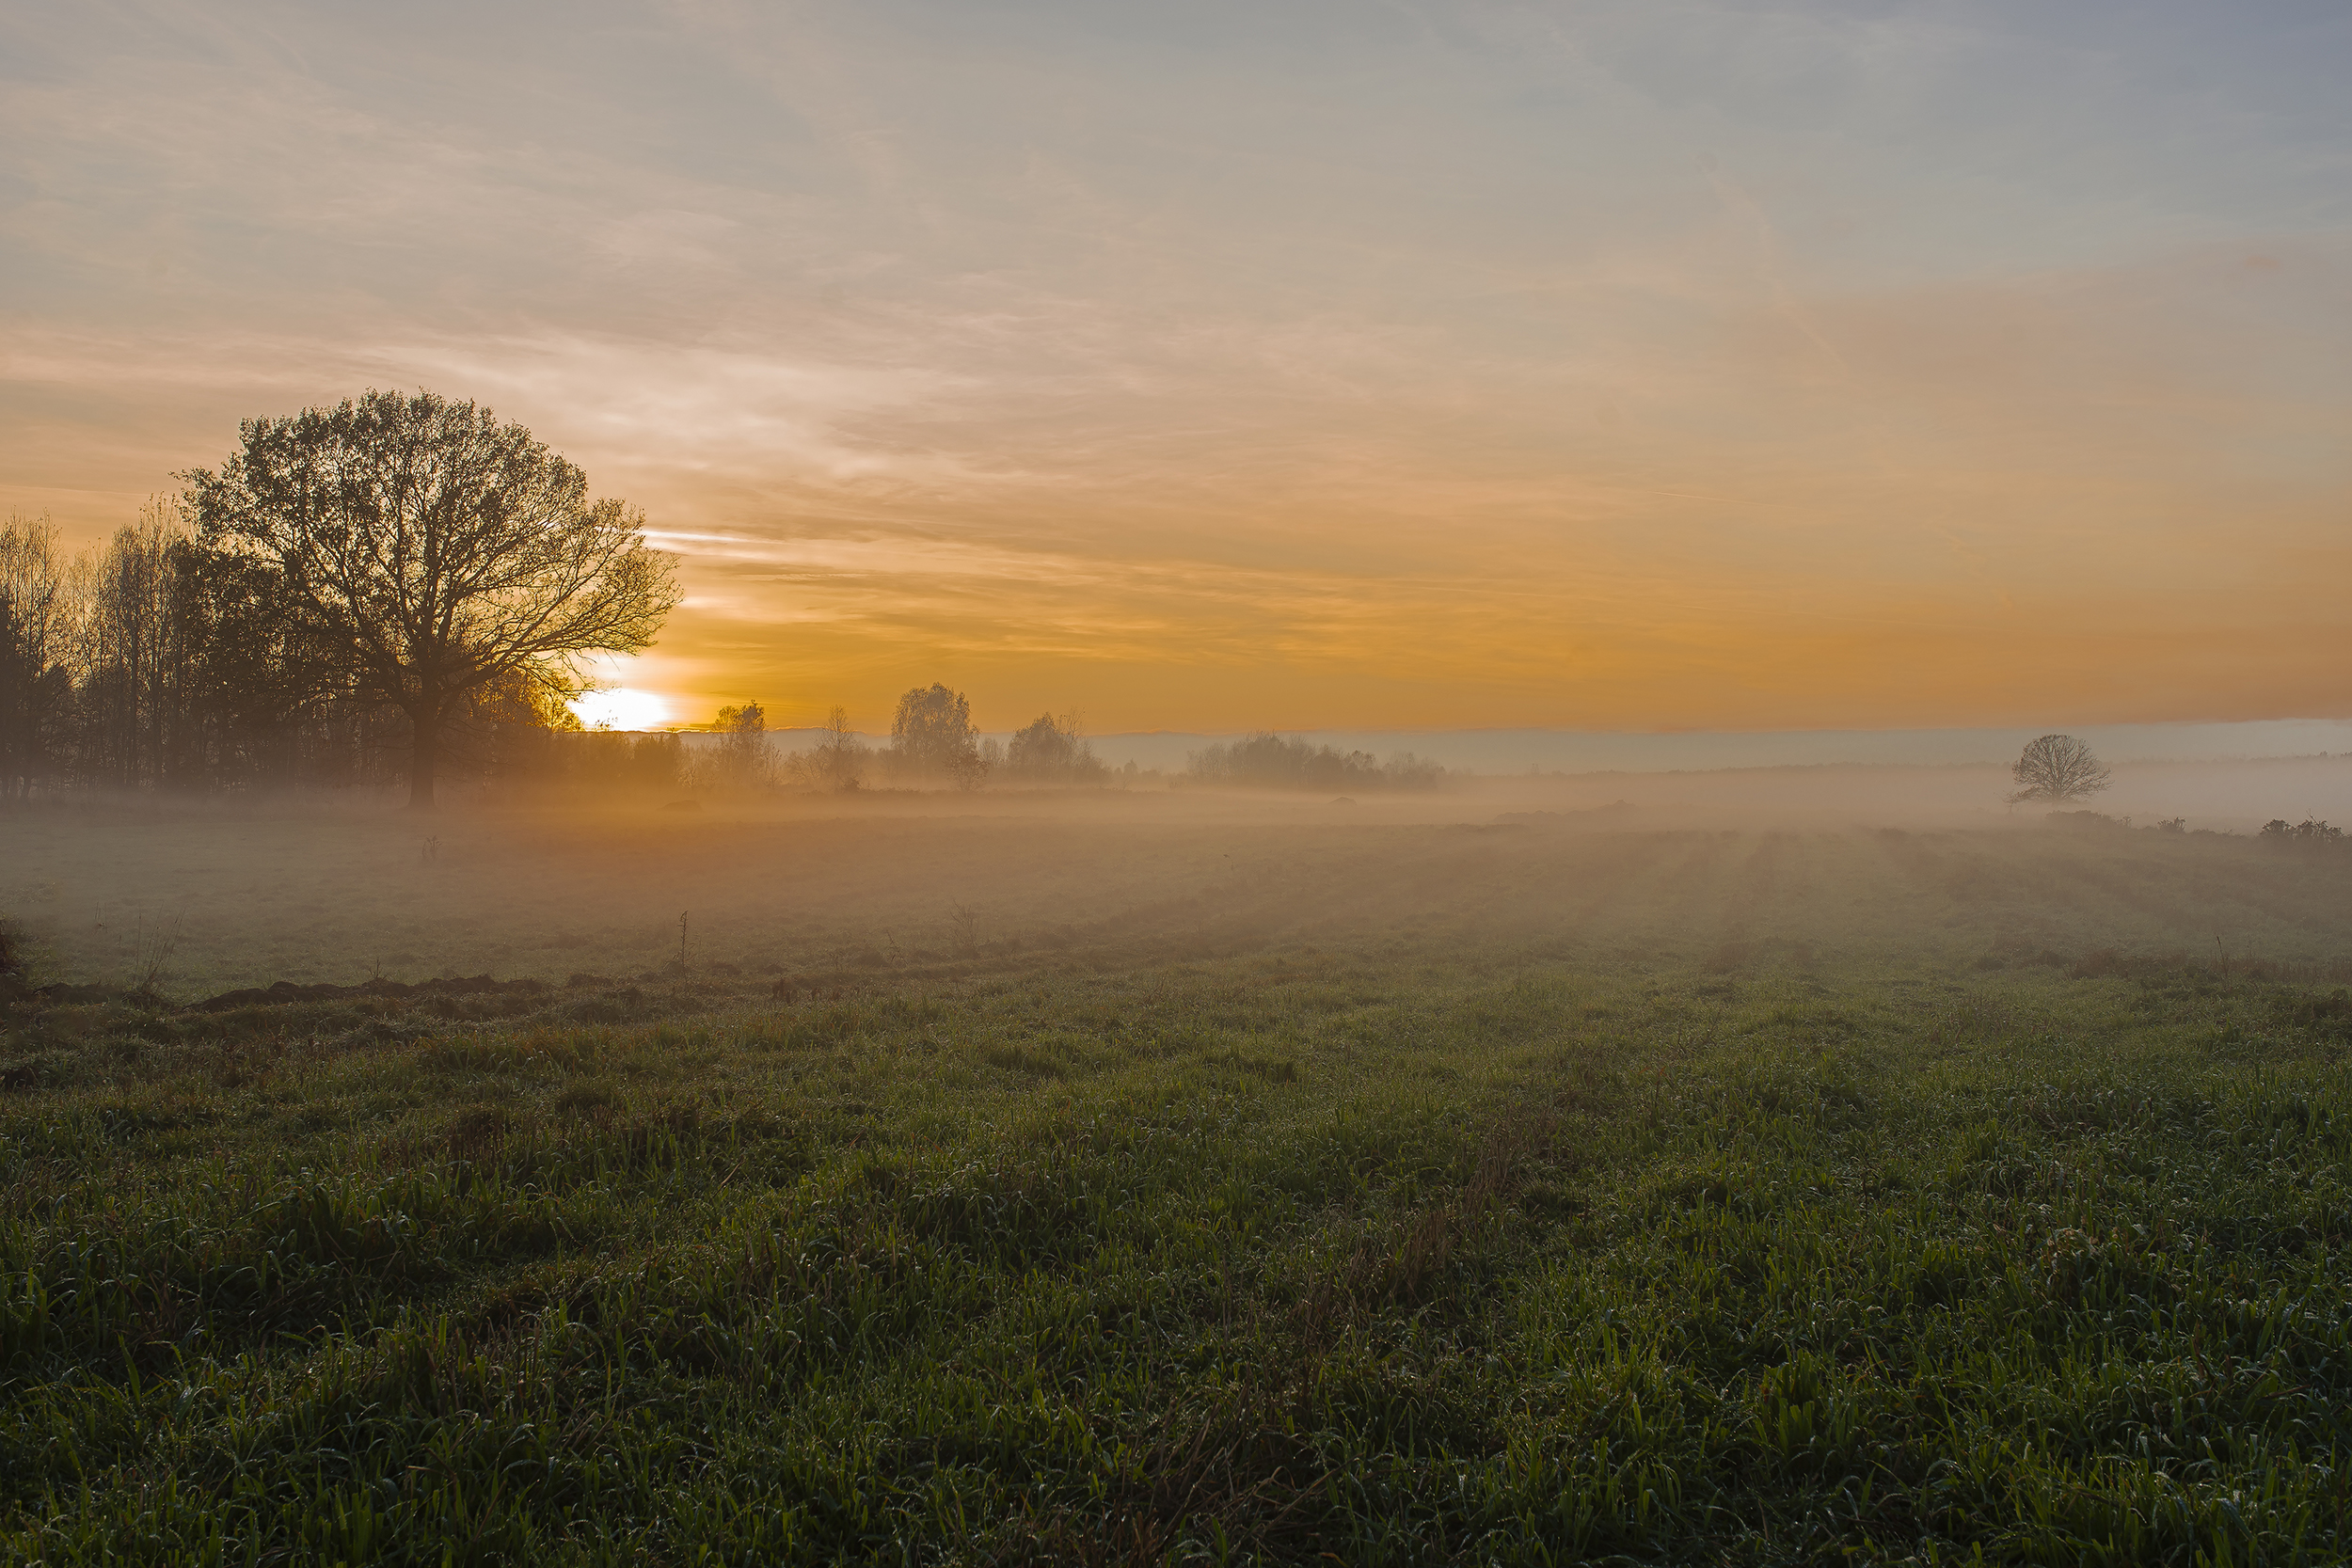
(437, 551)
(841, 756)
(1053, 751)
(743, 754)
(620, 760)
(1043, 746)
(933, 734)
(2058, 767)
(1405, 770)
(130, 657)
(1269, 761)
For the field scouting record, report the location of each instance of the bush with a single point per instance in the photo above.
(1051, 751)
(933, 737)
(1269, 761)
(2277, 829)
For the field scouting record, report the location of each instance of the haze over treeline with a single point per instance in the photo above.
(159, 660)
(151, 662)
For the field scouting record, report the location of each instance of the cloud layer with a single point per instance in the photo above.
(1206, 367)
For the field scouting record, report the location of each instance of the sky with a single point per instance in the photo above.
(1361, 365)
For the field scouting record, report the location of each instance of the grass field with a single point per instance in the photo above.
(1221, 1190)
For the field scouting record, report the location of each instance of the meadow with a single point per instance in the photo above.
(1173, 1183)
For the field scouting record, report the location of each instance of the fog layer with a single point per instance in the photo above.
(1811, 863)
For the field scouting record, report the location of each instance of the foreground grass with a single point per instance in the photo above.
(1268, 1258)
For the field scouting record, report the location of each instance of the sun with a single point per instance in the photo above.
(620, 708)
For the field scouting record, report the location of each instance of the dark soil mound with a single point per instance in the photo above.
(286, 990)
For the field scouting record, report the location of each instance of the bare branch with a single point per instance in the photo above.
(2058, 767)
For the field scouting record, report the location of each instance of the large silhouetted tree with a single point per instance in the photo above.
(2058, 767)
(438, 552)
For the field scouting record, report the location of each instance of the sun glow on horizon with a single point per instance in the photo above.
(621, 708)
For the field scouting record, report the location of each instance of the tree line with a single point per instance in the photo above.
(166, 659)
(155, 661)
(1269, 761)
(932, 742)
(400, 585)
(356, 594)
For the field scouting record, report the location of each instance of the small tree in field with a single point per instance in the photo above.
(2058, 767)
(744, 755)
(841, 756)
(437, 552)
(1053, 751)
(933, 734)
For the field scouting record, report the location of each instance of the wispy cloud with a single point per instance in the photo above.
(1641, 364)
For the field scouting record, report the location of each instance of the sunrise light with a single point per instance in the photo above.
(620, 709)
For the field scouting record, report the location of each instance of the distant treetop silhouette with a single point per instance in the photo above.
(2058, 767)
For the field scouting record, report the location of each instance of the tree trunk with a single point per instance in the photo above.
(424, 755)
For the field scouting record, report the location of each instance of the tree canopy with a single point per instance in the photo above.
(1053, 750)
(1269, 761)
(934, 733)
(438, 552)
(2058, 767)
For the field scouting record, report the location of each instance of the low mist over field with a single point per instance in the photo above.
(207, 895)
(1171, 1155)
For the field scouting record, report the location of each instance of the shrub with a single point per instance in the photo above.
(2280, 831)
(1053, 751)
(1269, 761)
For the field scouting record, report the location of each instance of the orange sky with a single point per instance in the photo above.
(1648, 367)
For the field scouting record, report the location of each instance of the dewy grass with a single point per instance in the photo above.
(1430, 1254)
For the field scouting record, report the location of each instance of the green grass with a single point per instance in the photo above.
(1406, 1249)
